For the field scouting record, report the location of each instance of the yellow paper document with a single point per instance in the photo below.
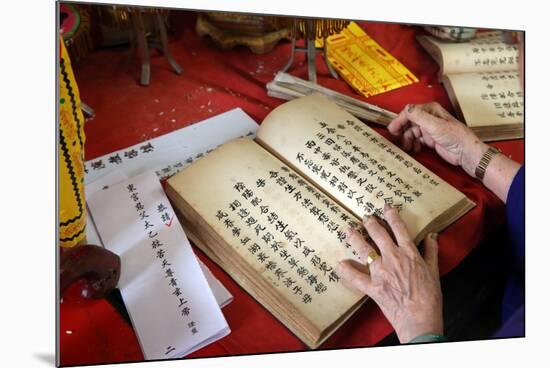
(364, 64)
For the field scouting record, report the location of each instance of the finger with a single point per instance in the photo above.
(426, 120)
(407, 140)
(416, 131)
(417, 145)
(399, 124)
(351, 275)
(380, 236)
(399, 228)
(359, 244)
(431, 250)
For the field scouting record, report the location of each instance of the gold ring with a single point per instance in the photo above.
(371, 257)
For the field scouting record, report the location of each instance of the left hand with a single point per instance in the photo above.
(431, 125)
(405, 285)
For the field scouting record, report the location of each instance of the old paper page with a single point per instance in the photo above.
(485, 53)
(279, 224)
(487, 99)
(357, 166)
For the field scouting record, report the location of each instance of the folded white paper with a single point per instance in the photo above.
(170, 153)
(222, 295)
(171, 306)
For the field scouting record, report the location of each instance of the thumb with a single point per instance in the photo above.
(399, 124)
(431, 250)
(354, 277)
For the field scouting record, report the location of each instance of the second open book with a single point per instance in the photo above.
(482, 80)
(273, 213)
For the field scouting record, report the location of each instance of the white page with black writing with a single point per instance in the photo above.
(171, 306)
(222, 295)
(170, 153)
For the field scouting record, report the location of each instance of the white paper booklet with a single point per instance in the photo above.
(170, 153)
(171, 306)
(222, 295)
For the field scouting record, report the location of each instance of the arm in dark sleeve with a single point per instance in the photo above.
(513, 310)
(515, 216)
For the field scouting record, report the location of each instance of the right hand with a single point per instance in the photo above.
(404, 283)
(431, 125)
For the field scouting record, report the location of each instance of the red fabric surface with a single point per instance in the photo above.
(215, 81)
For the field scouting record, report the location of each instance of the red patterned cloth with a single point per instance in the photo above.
(127, 114)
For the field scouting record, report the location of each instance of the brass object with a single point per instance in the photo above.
(228, 30)
(311, 29)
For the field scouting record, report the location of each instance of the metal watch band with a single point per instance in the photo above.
(484, 162)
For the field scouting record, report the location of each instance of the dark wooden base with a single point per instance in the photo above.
(259, 43)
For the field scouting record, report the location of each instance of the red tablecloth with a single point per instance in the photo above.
(214, 81)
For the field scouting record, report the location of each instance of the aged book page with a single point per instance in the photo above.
(273, 232)
(486, 53)
(358, 167)
(487, 99)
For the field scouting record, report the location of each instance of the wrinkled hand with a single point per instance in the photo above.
(405, 286)
(431, 125)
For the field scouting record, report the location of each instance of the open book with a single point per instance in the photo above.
(273, 212)
(481, 78)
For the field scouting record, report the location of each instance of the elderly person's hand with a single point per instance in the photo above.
(431, 125)
(404, 284)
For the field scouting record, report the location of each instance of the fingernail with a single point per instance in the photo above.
(434, 236)
(410, 108)
(349, 232)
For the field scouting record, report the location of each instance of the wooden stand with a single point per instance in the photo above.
(143, 45)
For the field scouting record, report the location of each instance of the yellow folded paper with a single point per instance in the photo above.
(364, 64)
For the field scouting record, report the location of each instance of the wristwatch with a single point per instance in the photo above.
(484, 162)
